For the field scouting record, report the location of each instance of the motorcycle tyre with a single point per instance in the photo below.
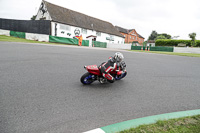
(85, 76)
(124, 75)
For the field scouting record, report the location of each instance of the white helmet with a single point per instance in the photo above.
(118, 57)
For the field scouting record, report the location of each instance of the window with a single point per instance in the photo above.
(98, 33)
(65, 27)
(84, 31)
(111, 38)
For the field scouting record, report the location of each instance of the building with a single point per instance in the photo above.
(130, 35)
(68, 23)
(151, 43)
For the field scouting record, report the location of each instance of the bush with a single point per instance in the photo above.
(197, 43)
(169, 42)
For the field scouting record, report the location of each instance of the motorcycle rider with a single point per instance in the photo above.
(112, 65)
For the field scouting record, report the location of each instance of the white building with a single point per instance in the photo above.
(68, 23)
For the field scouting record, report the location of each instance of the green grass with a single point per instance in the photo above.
(170, 53)
(181, 125)
(15, 39)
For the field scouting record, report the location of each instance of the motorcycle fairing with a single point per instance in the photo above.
(93, 69)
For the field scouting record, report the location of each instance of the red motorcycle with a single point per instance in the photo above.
(94, 73)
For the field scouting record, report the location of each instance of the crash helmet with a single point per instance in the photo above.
(118, 57)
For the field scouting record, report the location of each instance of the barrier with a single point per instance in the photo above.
(166, 49)
(63, 40)
(187, 50)
(99, 44)
(5, 32)
(37, 37)
(136, 47)
(85, 43)
(17, 34)
(119, 46)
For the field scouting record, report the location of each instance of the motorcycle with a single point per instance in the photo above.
(94, 73)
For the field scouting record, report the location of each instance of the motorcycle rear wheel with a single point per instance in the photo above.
(87, 78)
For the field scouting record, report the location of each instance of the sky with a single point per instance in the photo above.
(174, 17)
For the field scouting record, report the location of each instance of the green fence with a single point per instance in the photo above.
(136, 47)
(67, 40)
(63, 40)
(17, 34)
(85, 43)
(166, 49)
(99, 44)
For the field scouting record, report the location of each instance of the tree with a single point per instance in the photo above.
(33, 17)
(153, 35)
(160, 37)
(192, 36)
(166, 35)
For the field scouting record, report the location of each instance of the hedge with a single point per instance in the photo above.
(169, 42)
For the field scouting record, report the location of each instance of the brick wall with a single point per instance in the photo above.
(132, 36)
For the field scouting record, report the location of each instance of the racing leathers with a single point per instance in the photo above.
(108, 67)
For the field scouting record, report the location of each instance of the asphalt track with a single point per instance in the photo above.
(41, 92)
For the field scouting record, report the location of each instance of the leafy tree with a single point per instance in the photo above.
(192, 36)
(166, 35)
(153, 35)
(33, 17)
(160, 37)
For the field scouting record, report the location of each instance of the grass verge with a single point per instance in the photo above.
(15, 39)
(189, 124)
(170, 53)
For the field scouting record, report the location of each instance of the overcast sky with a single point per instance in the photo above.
(174, 17)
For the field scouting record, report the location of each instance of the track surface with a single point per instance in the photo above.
(41, 92)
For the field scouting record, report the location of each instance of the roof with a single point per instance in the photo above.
(123, 30)
(73, 18)
(120, 29)
(140, 36)
(151, 41)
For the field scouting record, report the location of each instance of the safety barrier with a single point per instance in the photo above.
(136, 47)
(99, 44)
(187, 50)
(119, 46)
(63, 40)
(4, 32)
(85, 43)
(37, 37)
(166, 49)
(17, 34)
(47, 38)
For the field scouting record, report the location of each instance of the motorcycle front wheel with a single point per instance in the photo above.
(88, 78)
(121, 76)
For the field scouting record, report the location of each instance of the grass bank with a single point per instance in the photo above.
(170, 53)
(15, 39)
(189, 124)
